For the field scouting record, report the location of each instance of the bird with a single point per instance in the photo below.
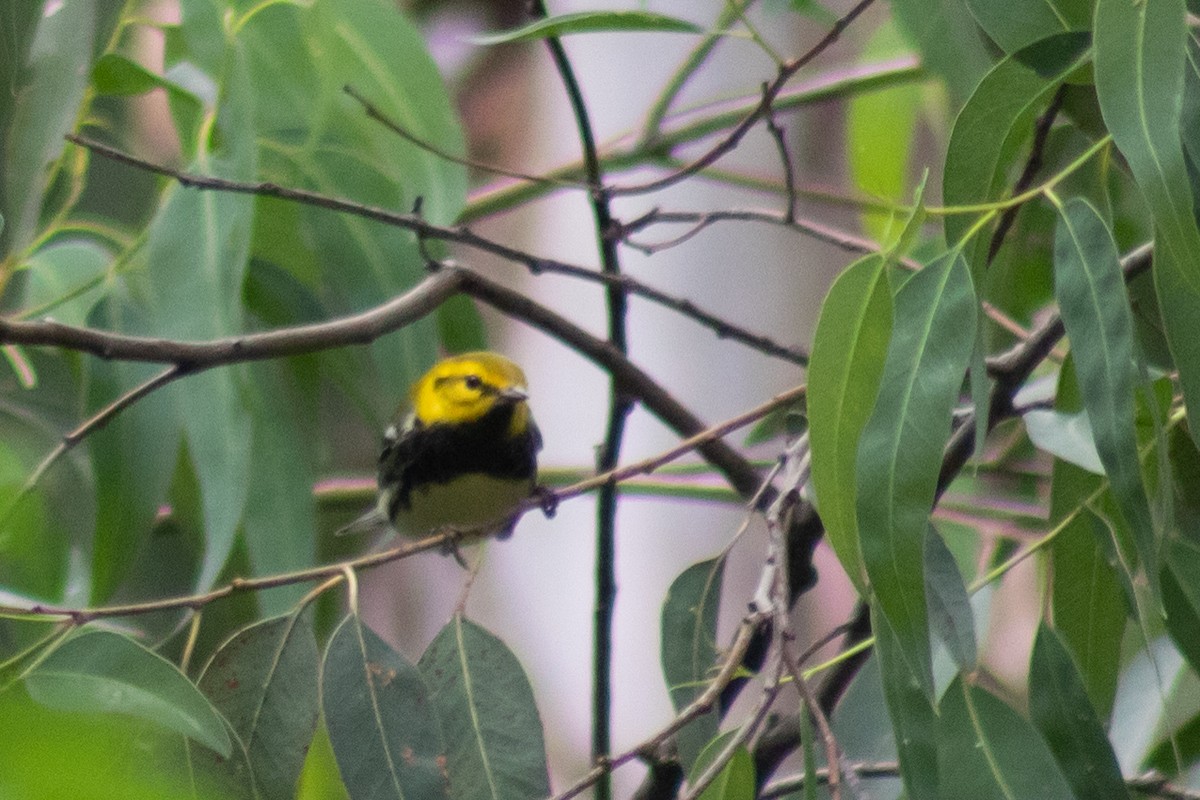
(462, 454)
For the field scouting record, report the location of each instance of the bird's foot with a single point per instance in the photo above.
(547, 500)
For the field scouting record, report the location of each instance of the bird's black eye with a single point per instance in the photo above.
(473, 381)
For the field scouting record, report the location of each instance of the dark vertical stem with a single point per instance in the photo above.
(618, 413)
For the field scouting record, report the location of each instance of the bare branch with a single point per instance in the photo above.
(458, 235)
(362, 328)
(441, 540)
(93, 424)
(785, 157)
(734, 137)
(649, 465)
(691, 125)
(632, 380)
(374, 113)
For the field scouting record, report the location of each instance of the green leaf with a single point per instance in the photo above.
(1183, 604)
(459, 325)
(1089, 608)
(101, 671)
(64, 280)
(1065, 436)
(849, 349)
(986, 750)
(1190, 114)
(591, 22)
(382, 726)
(44, 108)
(1014, 25)
(87, 756)
(880, 127)
(488, 715)
(195, 260)
(279, 525)
(948, 39)
(900, 451)
(1141, 49)
(914, 719)
(320, 779)
(133, 457)
(264, 680)
(1181, 567)
(29, 560)
(1095, 311)
(950, 615)
(735, 781)
(302, 57)
(1087, 601)
(114, 74)
(1060, 709)
(689, 649)
(993, 126)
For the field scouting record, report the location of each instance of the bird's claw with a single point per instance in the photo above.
(547, 500)
(450, 546)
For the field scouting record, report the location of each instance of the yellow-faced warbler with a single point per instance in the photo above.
(463, 456)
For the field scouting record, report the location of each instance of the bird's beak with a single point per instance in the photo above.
(513, 395)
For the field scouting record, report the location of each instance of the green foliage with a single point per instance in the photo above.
(161, 634)
(843, 378)
(381, 723)
(689, 649)
(488, 717)
(899, 454)
(591, 22)
(101, 671)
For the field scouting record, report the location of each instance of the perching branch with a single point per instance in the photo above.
(438, 541)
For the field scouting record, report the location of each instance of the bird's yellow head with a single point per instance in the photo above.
(463, 388)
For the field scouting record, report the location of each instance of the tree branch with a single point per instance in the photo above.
(457, 235)
(770, 92)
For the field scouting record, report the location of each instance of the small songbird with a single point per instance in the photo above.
(463, 456)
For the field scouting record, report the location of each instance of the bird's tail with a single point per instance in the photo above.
(374, 521)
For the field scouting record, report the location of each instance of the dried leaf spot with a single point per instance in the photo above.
(232, 684)
(408, 755)
(381, 674)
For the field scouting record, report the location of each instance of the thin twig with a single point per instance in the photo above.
(649, 465)
(458, 235)
(90, 426)
(698, 707)
(755, 718)
(833, 751)
(1010, 369)
(80, 616)
(785, 157)
(194, 356)
(1033, 163)
(395, 127)
(690, 125)
(735, 136)
(795, 783)
(730, 13)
